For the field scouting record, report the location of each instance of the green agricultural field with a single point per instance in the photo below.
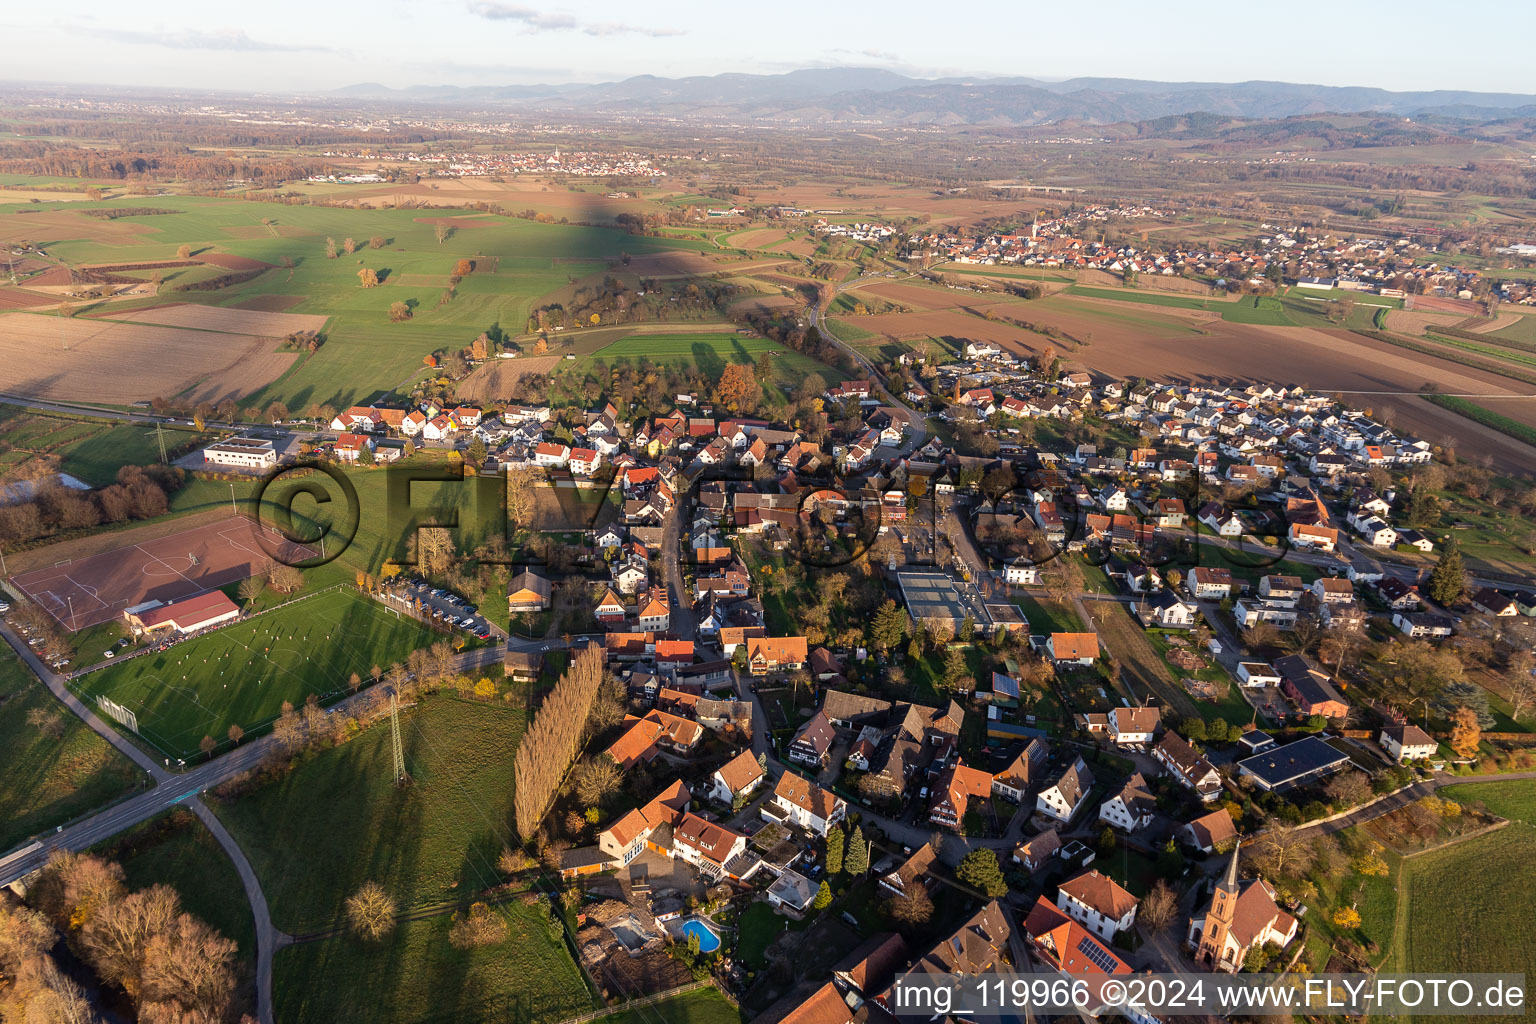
(176, 849)
(91, 450)
(241, 674)
(415, 975)
(1513, 800)
(1523, 329)
(1148, 298)
(47, 780)
(1454, 913)
(710, 353)
(1262, 310)
(516, 262)
(1495, 351)
(337, 820)
(701, 1006)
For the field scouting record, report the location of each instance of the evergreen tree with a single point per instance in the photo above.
(956, 673)
(889, 627)
(980, 871)
(823, 897)
(967, 629)
(857, 860)
(1448, 580)
(834, 852)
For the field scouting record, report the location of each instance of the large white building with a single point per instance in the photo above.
(243, 452)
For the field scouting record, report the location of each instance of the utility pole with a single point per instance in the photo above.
(160, 438)
(401, 778)
(232, 506)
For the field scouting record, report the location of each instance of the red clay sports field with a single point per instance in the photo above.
(85, 591)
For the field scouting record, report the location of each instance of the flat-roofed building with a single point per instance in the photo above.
(242, 452)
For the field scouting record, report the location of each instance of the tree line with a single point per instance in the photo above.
(554, 738)
(141, 492)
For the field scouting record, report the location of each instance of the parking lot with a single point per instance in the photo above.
(444, 606)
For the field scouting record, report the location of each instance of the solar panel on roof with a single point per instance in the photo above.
(1101, 957)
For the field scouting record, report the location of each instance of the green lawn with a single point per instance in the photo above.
(1456, 911)
(241, 674)
(176, 849)
(415, 975)
(1513, 800)
(46, 781)
(337, 820)
(701, 1006)
(757, 929)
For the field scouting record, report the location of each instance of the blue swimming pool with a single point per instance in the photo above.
(708, 940)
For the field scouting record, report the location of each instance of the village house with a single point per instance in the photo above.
(767, 654)
(953, 791)
(1133, 727)
(1014, 780)
(1188, 767)
(1098, 903)
(528, 592)
(1209, 832)
(801, 802)
(911, 872)
(1207, 584)
(1132, 808)
(1062, 798)
(1038, 851)
(812, 745)
(1309, 687)
(1423, 624)
(1404, 743)
(626, 838)
(736, 779)
(1072, 648)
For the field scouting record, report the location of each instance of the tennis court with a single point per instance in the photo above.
(86, 591)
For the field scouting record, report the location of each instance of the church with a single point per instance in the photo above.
(1242, 916)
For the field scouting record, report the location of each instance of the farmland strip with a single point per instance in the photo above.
(1487, 417)
(1440, 352)
(1492, 338)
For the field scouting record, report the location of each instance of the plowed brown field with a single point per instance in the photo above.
(121, 363)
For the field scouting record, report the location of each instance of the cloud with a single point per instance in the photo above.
(225, 39)
(533, 20)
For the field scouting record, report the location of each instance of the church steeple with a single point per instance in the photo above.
(1229, 879)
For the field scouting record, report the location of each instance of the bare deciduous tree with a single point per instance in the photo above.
(1158, 908)
(371, 912)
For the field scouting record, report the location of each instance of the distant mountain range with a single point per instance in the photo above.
(874, 95)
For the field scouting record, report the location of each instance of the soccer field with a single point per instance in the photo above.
(242, 674)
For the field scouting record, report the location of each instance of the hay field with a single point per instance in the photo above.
(226, 320)
(113, 363)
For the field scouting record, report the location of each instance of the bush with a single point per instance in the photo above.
(481, 926)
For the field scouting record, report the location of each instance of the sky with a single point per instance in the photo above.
(283, 46)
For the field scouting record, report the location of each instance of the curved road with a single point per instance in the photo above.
(172, 788)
